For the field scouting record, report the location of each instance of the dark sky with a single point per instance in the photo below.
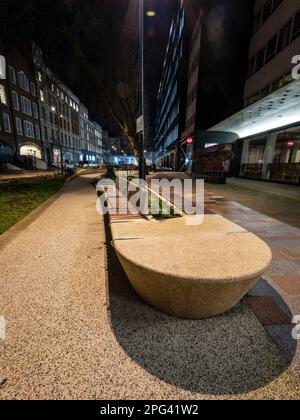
(71, 31)
(53, 23)
(156, 38)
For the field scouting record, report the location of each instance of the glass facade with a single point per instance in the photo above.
(167, 123)
(275, 157)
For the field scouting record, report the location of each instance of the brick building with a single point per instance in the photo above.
(20, 130)
(59, 110)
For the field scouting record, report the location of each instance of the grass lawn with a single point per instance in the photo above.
(284, 209)
(19, 198)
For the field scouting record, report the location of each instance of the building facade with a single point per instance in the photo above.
(59, 113)
(20, 130)
(199, 89)
(171, 95)
(269, 125)
(91, 139)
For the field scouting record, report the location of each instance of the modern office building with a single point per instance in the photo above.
(216, 74)
(268, 128)
(20, 131)
(203, 76)
(171, 95)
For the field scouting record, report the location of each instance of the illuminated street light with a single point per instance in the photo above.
(151, 13)
(142, 169)
(53, 109)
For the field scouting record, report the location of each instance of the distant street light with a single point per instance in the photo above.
(53, 109)
(151, 13)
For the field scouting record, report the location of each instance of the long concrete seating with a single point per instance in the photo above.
(192, 272)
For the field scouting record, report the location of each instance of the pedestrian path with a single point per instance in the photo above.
(276, 299)
(287, 191)
(75, 329)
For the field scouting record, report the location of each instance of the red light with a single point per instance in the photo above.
(291, 144)
(190, 140)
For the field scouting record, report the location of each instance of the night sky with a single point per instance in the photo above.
(157, 31)
(69, 31)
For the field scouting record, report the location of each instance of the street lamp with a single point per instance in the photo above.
(53, 109)
(141, 40)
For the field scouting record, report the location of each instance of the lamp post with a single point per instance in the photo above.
(141, 42)
(54, 110)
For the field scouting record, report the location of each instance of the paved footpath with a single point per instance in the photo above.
(276, 298)
(74, 331)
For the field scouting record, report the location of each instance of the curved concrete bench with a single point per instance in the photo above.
(190, 271)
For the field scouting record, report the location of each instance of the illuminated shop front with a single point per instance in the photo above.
(270, 132)
(275, 157)
(31, 150)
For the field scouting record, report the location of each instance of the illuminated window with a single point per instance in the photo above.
(42, 95)
(3, 99)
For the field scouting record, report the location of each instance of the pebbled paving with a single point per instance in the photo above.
(76, 330)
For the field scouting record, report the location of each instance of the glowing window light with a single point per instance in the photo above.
(151, 13)
(2, 67)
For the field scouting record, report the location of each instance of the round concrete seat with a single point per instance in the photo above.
(194, 275)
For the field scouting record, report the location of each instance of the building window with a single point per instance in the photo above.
(3, 99)
(28, 128)
(271, 48)
(44, 115)
(26, 106)
(15, 100)
(284, 36)
(296, 28)
(42, 95)
(267, 10)
(12, 75)
(46, 133)
(6, 123)
(33, 90)
(23, 81)
(35, 110)
(19, 127)
(37, 132)
(260, 59)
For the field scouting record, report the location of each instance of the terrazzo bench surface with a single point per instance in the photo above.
(191, 272)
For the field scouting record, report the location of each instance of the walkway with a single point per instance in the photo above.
(282, 190)
(276, 299)
(77, 331)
